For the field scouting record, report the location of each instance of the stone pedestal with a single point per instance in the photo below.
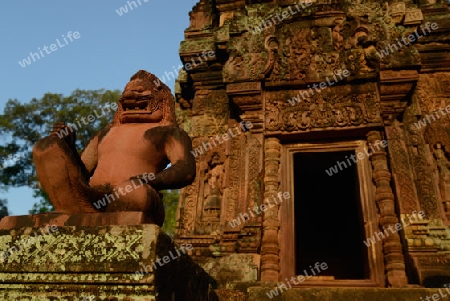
(127, 262)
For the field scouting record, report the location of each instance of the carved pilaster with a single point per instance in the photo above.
(384, 197)
(402, 169)
(270, 245)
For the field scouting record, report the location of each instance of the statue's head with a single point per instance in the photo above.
(146, 100)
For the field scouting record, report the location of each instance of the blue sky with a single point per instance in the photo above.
(110, 49)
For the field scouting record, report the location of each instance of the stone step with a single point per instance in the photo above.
(349, 294)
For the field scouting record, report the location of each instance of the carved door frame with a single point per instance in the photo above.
(375, 257)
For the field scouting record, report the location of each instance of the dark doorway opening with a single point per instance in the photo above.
(328, 216)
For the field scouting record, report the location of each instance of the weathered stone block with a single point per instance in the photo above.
(134, 262)
(244, 267)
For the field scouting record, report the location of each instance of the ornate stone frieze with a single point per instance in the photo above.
(334, 107)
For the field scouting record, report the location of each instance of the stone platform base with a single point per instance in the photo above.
(335, 294)
(64, 219)
(132, 263)
(38, 292)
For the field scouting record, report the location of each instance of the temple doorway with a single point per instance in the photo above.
(331, 213)
(328, 218)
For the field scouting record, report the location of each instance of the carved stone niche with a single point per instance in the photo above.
(437, 136)
(202, 202)
(212, 173)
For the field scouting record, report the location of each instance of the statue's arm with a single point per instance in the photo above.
(178, 147)
(89, 156)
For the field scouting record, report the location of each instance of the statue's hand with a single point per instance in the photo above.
(64, 131)
(57, 127)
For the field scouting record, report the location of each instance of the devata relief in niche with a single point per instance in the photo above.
(124, 166)
(213, 189)
(444, 175)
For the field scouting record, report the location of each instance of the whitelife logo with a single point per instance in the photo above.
(206, 55)
(124, 9)
(243, 217)
(166, 259)
(359, 156)
(319, 267)
(226, 136)
(105, 110)
(394, 228)
(296, 99)
(411, 38)
(129, 188)
(283, 16)
(53, 47)
(435, 116)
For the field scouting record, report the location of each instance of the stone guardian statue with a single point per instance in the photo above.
(124, 165)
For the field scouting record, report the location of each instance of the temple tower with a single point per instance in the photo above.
(321, 134)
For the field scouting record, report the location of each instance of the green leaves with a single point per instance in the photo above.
(23, 124)
(3, 210)
(170, 200)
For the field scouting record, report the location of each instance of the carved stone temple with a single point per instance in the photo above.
(333, 115)
(321, 136)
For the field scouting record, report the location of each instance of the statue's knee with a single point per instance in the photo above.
(132, 197)
(48, 145)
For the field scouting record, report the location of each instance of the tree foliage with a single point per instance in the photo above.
(170, 199)
(23, 124)
(3, 209)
